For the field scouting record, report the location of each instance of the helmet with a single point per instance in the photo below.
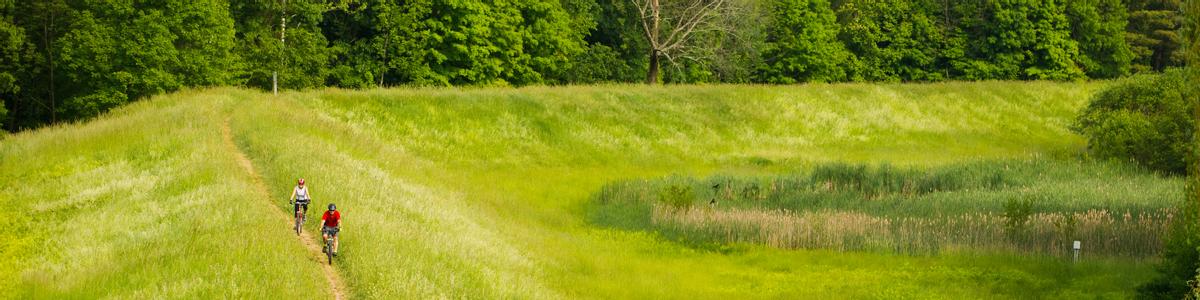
(300, 181)
(332, 207)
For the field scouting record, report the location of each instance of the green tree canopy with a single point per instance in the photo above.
(1099, 27)
(69, 59)
(1023, 39)
(802, 44)
(1153, 34)
(893, 40)
(125, 50)
(12, 53)
(301, 60)
(444, 42)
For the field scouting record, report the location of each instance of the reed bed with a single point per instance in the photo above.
(1031, 207)
(1104, 233)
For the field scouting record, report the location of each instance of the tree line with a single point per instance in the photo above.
(63, 60)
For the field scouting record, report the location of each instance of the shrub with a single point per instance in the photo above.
(1146, 119)
(1181, 258)
(1180, 267)
(1016, 215)
(677, 196)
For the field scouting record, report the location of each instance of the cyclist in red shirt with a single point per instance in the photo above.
(331, 223)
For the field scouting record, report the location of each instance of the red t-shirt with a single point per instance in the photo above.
(331, 218)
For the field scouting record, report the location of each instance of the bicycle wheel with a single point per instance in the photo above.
(329, 249)
(299, 223)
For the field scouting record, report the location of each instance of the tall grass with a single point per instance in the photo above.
(143, 203)
(1106, 234)
(718, 125)
(400, 238)
(1027, 207)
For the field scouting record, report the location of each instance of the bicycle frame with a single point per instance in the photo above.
(300, 218)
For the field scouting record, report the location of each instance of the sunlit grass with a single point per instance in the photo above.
(481, 192)
(400, 237)
(524, 162)
(143, 203)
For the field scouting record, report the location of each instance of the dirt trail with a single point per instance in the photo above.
(335, 281)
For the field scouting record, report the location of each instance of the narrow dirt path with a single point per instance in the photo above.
(335, 281)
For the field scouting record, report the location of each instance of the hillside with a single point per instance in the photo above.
(482, 192)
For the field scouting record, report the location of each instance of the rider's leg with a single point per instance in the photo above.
(335, 244)
(304, 215)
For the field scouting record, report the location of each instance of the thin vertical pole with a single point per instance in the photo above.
(282, 46)
(1076, 247)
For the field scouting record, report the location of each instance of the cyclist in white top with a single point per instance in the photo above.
(300, 197)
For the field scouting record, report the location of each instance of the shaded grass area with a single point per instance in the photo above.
(143, 203)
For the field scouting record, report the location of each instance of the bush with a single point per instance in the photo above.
(677, 196)
(1179, 271)
(1016, 215)
(1181, 258)
(1146, 119)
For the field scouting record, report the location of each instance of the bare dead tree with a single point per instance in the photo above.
(683, 20)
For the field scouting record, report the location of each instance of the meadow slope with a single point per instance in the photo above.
(481, 192)
(145, 202)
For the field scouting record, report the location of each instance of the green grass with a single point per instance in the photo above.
(143, 203)
(1031, 206)
(483, 192)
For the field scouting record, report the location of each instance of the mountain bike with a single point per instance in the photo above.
(332, 232)
(300, 217)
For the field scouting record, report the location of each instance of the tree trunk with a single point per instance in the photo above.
(387, 42)
(652, 36)
(50, 61)
(652, 73)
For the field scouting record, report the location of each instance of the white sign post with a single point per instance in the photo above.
(1076, 247)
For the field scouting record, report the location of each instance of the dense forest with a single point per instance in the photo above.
(63, 60)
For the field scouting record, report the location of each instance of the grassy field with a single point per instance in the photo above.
(484, 193)
(143, 203)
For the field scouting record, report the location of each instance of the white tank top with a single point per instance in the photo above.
(302, 193)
